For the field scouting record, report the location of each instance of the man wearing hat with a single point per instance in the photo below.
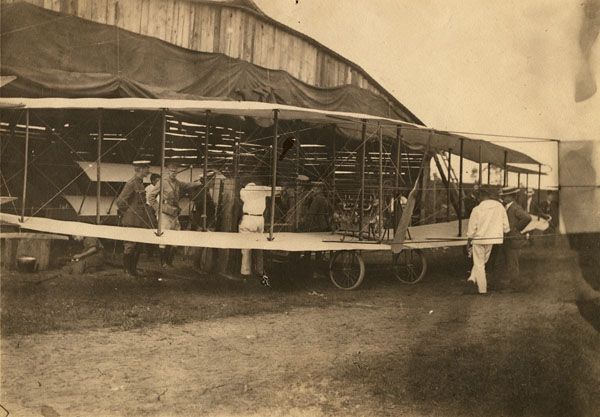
(518, 219)
(318, 216)
(172, 191)
(488, 223)
(134, 212)
(254, 200)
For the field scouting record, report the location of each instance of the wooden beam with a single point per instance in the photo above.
(480, 166)
(397, 194)
(448, 184)
(460, 187)
(25, 167)
(380, 211)
(362, 179)
(205, 173)
(98, 163)
(273, 171)
(162, 171)
(505, 181)
(539, 194)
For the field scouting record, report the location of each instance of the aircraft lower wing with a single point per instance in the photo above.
(293, 242)
(422, 237)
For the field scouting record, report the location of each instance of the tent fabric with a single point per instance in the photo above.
(76, 58)
(104, 61)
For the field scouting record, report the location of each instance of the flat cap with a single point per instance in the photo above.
(140, 163)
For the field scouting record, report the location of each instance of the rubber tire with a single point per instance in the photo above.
(423, 261)
(360, 264)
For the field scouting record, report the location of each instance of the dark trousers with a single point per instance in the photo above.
(131, 247)
(511, 272)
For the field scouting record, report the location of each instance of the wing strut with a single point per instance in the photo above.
(98, 162)
(162, 171)
(273, 172)
(26, 163)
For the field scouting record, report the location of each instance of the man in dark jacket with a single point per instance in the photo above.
(134, 212)
(518, 219)
(318, 216)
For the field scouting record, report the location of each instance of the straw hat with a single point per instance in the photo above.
(508, 191)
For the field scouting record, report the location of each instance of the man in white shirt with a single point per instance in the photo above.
(487, 225)
(254, 199)
(154, 181)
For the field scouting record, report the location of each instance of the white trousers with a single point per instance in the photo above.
(252, 224)
(481, 254)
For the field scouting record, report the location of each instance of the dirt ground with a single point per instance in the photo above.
(104, 344)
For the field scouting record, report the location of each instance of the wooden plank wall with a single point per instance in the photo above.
(215, 28)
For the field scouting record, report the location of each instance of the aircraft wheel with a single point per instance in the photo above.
(347, 269)
(410, 266)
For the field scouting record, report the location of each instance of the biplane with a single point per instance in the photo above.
(376, 172)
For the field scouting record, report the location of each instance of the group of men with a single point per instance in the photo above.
(494, 229)
(495, 239)
(140, 206)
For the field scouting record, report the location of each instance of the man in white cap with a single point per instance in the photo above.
(134, 212)
(518, 219)
(172, 191)
(487, 225)
(254, 199)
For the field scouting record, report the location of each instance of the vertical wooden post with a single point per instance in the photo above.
(434, 214)
(361, 199)
(527, 181)
(460, 188)
(397, 193)
(25, 167)
(297, 184)
(191, 200)
(505, 182)
(98, 164)
(236, 164)
(273, 172)
(518, 180)
(448, 184)
(162, 170)
(424, 177)
(480, 167)
(539, 193)
(205, 173)
(489, 173)
(381, 199)
(333, 185)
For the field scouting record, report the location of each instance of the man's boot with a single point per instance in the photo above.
(163, 257)
(170, 255)
(127, 263)
(134, 263)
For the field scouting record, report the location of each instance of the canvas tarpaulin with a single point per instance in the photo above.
(58, 55)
